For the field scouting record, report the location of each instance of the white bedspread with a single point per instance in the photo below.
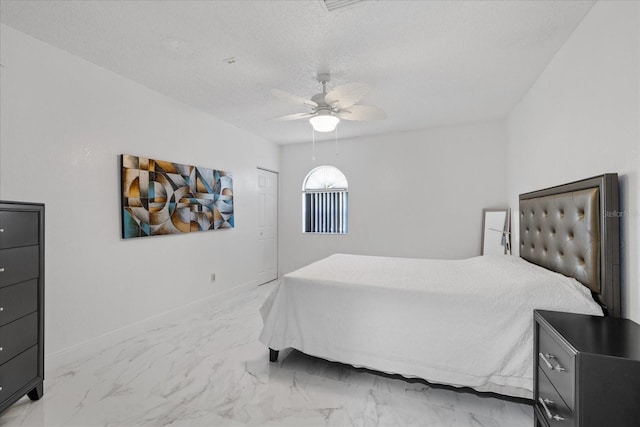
(458, 322)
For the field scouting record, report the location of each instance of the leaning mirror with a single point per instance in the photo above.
(496, 232)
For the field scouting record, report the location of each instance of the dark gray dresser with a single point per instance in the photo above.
(21, 301)
(586, 371)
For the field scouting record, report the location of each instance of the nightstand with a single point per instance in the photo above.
(586, 370)
(21, 301)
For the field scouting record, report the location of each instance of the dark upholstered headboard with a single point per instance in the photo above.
(573, 229)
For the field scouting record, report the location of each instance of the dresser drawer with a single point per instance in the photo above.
(17, 336)
(18, 300)
(18, 372)
(549, 403)
(557, 362)
(18, 228)
(19, 264)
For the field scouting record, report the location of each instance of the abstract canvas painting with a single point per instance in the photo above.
(160, 197)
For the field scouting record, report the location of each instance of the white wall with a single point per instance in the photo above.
(411, 194)
(64, 123)
(581, 119)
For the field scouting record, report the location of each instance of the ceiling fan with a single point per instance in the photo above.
(328, 108)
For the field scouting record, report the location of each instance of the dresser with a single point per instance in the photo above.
(586, 370)
(21, 301)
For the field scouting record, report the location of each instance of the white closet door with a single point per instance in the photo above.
(267, 226)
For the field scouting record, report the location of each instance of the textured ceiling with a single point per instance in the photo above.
(430, 63)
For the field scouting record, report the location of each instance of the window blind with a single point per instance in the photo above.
(325, 211)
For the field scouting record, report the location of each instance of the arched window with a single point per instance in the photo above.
(324, 201)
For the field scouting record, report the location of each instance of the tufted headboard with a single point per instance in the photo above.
(573, 229)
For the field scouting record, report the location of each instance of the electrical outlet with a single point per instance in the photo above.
(213, 277)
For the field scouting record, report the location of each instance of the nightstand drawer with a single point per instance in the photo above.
(18, 372)
(18, 300)
(18, 228)
(549, 403)
(17, 336)
(19, 264)
(557, 362)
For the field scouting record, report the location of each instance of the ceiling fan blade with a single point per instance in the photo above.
(346, 95)
(296, 116)
(288, 97)
(362, 112)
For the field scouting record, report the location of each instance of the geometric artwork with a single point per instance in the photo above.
(160, 197)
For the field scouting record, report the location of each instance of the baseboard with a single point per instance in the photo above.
(93, 345)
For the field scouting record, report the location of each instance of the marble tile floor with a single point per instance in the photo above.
(209, 369)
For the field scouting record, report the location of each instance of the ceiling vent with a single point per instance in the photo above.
(332, 5)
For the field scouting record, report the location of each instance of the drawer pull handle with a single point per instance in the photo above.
(546, 357)
(549, 414)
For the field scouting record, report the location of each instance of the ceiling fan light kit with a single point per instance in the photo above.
(324, 122)
(327, 109)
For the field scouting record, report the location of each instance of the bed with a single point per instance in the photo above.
(464, 323)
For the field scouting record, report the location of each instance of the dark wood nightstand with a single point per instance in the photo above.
(21, 301)
(586, 370)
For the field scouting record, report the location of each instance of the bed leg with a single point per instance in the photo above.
(273, 355)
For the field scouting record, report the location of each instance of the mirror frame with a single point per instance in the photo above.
(506, 231)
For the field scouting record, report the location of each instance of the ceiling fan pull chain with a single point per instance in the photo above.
(313, 145)
(336, 141)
